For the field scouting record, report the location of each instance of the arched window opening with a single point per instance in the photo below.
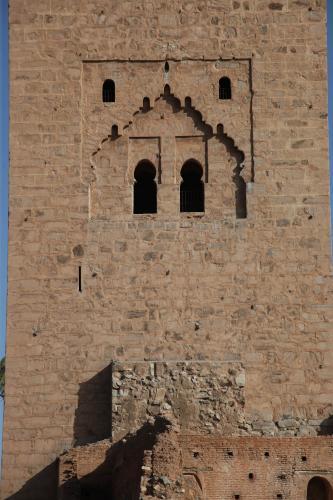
(319, 489)
(188, 102)
(114, 131)
(225, 88)
(220, 129)
(240, 191)
(240, 198)
(192, 191)
(145, 189)
(109, 91)
(166, 67)
(167, 90)
(146, 104)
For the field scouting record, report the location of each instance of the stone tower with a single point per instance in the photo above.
(170, 292)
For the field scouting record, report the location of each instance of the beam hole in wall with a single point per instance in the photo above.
(145, 188)
(224, 88)
(266, 454)
(319, 489)
(237, 497)
(251, 476)
(304, 458)
(279, 495)
(109, 91)
(230, 454)
(192, 190)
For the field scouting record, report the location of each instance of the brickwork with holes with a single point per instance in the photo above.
(190, 467)
(257, 468)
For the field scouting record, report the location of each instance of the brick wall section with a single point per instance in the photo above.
(255, 290)
(216, 468)
(77, 463)
(280, 466)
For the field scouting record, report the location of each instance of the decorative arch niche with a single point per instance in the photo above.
(167, 116)
(319, 489)
(193, 486)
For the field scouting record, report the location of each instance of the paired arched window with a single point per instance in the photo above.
(109, 91)
(192, 191)
(224, 88)
(319, 489)
(145, 188)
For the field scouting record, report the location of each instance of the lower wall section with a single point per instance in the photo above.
(158, 461)
(257, 468)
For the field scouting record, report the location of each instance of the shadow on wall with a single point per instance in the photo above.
(44, 484)
(326, 427)
(92, 423)
(119, 476)
(93, 415)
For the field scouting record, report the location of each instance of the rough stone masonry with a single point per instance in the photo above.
(202, 325)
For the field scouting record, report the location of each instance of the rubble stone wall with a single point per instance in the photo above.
(202, 397)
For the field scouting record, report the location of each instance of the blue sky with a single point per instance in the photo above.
(3, 175)
(330, 86)
(4, 154)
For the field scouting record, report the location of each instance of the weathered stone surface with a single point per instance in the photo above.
(90, 282)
